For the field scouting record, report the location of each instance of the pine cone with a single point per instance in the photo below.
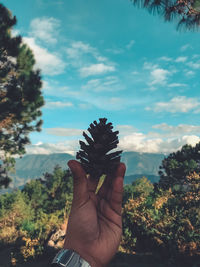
(94, 156)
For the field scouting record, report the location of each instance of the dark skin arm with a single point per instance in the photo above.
(95, 224)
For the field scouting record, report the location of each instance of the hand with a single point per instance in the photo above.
(95, 224)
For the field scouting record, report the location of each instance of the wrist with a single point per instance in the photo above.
(88, 258)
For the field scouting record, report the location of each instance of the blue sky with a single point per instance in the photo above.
(111, 59)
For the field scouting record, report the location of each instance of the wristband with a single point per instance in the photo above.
(68, 258)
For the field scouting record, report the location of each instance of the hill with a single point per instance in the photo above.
(34, 166)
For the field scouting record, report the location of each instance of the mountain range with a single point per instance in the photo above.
(35, 165)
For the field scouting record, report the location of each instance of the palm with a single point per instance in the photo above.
(95, 220)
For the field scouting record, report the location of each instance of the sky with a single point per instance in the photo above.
(111, 59)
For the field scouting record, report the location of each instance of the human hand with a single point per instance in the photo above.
(95, 225)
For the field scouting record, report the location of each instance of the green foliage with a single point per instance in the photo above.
(20, 94)
(140, 187)
(29, 217)
(164, 221)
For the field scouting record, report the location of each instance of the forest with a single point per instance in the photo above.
(160, 220)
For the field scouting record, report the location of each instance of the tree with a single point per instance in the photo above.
(20, 94)
(141, 187)
(186, 11)
(178, 165)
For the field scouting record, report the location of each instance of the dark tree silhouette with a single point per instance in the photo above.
(20, 94)
(178, 165)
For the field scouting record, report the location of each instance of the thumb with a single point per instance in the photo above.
(80, 188)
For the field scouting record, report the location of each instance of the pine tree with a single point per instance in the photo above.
(20, 94)
(175, 168)
(187, 12)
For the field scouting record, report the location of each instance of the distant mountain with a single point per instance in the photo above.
(140, 163)
(34, 166)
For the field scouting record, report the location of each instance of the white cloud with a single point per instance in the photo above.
(137, 142)
(57, 104)
(88, 60)
(77, 48)
(125, 129)
(135, 72)
(130, 44)
(171, 139)
(64, 131)
(179, 130)
(194, 65)
(15, 32)
(44, 3)
(96, 69)
(115, 51)
(185, 47)
(70, 147)
(81, 52)
(108, 84)
(52, 88)
(149, 66)
(177, 85)
(164, 58)
(140, 142)
(50, 63)
(189, 73)
(85, 106)
(181, 59)
(177, 104)
(158, 76)
(45, 29)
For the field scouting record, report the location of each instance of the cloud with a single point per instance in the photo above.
(52, 88)
(44, 3)
(179, 130)
(108, 84)
(64, 131)
(149, 66)
(88, 60)
(177, 85)
(158, 76)
(115, 51)
(81, 52)
(189, 73)
(165, 58)
(126, 129)
(85, 106)
(57, 104)
(45, 29)
(50, 63)
(194, 65)
(140, 142)
(177, 104)
(137, 142)
(130, 44)
(135, 72)
(165, 139)
(96, 69)
(77, 48)
(70, 147)
(185, 47)
(181, 59)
